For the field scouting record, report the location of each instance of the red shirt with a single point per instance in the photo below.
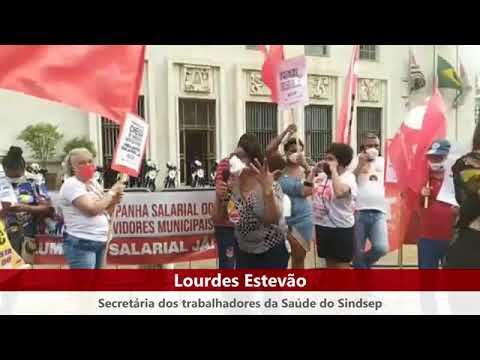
(223, 165)
(436, 221)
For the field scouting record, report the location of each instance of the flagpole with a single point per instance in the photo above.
(434, 67)
(456, 107)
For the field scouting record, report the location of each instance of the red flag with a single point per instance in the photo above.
(273, 56)
(344, 129)
(104, 79)
(423, 125)
(434, 127)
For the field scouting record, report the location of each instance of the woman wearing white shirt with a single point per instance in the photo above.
(334, 194)
(86, 210)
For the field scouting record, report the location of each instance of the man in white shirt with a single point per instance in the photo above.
(371, 205)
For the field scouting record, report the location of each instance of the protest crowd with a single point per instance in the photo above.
(272, 205)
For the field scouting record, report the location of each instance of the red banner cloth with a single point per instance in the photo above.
(273, 57)
(103, 79)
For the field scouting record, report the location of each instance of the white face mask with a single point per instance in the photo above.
(236, 166)
(437, 167)
(372, 153)
(294, 157)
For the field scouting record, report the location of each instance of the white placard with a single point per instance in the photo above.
(292, 83)
(131, 146)
(447, 191)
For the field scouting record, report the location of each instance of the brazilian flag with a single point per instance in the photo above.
(447, 75)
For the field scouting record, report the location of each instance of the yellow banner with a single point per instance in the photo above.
(9, 259)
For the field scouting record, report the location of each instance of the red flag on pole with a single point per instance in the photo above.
(274, 55)
(423, 125)
(344, 128)
(104, 79)
(434, 127)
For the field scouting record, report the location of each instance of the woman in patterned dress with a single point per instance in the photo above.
(252, 201)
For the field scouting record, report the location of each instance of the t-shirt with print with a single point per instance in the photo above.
(29, 191)
(254, 236)
(76, 222)
(329, 211)
(371, 188)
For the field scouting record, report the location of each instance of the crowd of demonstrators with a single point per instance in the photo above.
(464, 251)
(296, 183)
(253, 202)
(86, 211)
(22, 219)
(371, 205)
(437, 218)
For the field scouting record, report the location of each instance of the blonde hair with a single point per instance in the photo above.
(67, 163)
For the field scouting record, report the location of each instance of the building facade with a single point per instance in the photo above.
(200, 99)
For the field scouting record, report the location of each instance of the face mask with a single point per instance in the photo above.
(236, 166)
(86, 172)
(294, 157)
(437, 167)
(372, 153)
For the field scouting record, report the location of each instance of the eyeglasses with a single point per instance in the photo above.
(330, 158)
(376, 146)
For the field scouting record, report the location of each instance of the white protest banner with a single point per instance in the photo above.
(131, 146)
(292, 83)
(447, 191)
(149, 228)
(7, 194)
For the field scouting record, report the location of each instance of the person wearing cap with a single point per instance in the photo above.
(436, 218)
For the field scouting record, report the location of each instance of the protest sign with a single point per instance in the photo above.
(292, 83)
(150, 228)
(131, 146)
(9, 259)
(447, 191)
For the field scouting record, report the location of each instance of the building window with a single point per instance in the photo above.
(369, 120)
(368, 52)
(197, 135)
(318, 130)
(111, 131)
(251, 47)
(261, 121)
(316, 50)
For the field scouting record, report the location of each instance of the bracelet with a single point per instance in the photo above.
(111, 193)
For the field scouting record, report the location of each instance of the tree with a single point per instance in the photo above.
(79, 142)
(42, 139)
